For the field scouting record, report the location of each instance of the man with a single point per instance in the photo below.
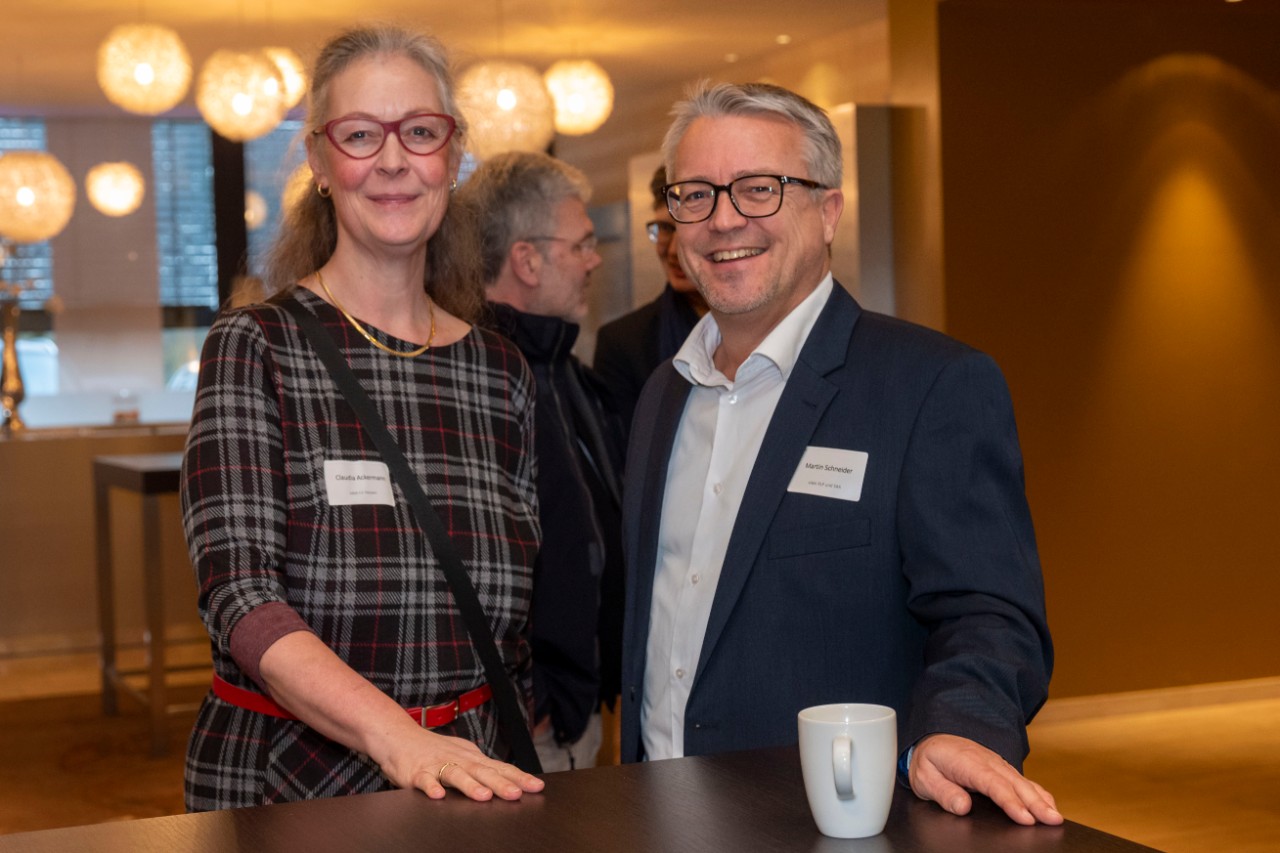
(539, 248)
(630, 347)
(823, 504)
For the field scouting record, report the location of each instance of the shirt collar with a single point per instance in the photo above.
(781, 347)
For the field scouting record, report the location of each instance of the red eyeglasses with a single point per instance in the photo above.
(360, 137)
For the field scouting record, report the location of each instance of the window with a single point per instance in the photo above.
(182, 160)
(269, 161)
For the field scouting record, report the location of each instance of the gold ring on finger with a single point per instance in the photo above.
(444, 767)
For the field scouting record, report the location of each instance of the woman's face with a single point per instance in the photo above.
(394, 201)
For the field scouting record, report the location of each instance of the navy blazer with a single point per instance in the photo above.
(925, 594)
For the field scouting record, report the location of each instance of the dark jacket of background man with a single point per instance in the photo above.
(578, 449)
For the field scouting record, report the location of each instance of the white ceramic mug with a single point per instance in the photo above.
(849, 757)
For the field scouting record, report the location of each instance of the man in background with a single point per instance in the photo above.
(630, 347)
(539, 248)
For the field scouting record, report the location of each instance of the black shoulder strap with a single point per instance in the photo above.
(514, 727)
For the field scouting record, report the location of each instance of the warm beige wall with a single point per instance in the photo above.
(48, 582)
(1112, 222)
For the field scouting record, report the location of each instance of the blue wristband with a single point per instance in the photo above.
(904, 766)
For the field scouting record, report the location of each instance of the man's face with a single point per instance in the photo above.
(755, 270)
(566, 263)
(668, 248)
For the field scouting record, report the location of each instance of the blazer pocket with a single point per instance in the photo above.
(854, 533)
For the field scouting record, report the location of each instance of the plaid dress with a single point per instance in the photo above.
(260, 529)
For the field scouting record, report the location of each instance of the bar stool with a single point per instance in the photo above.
(149, 475)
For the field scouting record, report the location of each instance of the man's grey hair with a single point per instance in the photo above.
(514, 196)
(707, 100)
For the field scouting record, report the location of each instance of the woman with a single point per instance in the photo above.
(324, 603)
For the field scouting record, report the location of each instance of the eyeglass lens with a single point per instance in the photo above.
(660, 232)
(586, 244)
(364, 137)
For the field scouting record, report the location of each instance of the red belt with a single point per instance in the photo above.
(429, 717)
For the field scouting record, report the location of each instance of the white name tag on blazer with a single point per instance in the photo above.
(350, 483)
(830, 472)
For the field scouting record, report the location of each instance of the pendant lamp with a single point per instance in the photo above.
(37, 196)
(292, 72)
(144, 68)
(240, 94)
(115, 189)
(507, 107)
(583, 95)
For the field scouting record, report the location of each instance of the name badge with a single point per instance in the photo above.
(830, 472)
(364, 482)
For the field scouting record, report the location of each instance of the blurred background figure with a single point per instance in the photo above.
(539, 248)
(629, 348)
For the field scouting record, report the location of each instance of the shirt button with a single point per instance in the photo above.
(733, 398)
(679, 673)
(718, 488)
(695, 578)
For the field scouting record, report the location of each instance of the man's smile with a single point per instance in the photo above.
(734, 254)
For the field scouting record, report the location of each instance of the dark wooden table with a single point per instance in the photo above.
(737, 802)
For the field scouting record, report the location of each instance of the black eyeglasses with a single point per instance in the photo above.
(360, 137)
(659, 232)
(753, 196)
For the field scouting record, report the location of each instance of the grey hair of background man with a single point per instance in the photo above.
(514, 197)
(707, 100)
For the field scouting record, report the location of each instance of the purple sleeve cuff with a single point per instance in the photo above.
(257, 630)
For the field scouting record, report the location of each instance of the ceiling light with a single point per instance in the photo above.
(240, 94)
(783, 38)
(292, 73)
(507, 108)
(115, 189)
(37, 196)
(143, 68)
(582, 93)
(255, 210)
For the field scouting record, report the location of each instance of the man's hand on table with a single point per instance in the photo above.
(944, 768)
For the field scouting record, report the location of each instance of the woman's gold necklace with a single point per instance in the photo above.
(431, 336)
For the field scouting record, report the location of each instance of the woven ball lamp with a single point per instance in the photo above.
(115, 189)
(292, 72)
(507, 108)
(144, 68)
(255, 210)
(240, 94)
(37, 196)
(582, 93)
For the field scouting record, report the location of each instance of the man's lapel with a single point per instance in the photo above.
(652, 466)
(803, 402)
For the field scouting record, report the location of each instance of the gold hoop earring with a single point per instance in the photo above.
(323, 190)
(453, 185)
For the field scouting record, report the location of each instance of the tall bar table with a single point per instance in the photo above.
(149, 475)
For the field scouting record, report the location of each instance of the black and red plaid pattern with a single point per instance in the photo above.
(260, 529)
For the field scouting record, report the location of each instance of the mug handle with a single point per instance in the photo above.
(842, 765)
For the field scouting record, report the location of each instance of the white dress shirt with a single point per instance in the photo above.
(716, 443)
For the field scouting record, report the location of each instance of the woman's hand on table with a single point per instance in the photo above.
(944, 768)
(432, 762)
(305, 676)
